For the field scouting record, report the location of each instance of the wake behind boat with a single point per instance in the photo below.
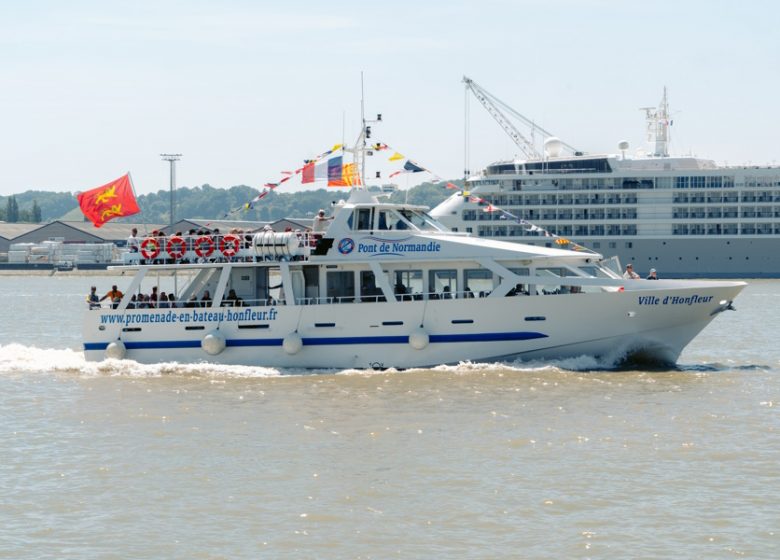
(386, 285)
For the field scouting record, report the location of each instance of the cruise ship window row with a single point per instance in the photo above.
(680, 213)
(709, 197)
(640, 183)
(582, 231)
(634, 183)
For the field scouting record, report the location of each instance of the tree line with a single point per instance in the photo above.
(208, 202)
(13, 214)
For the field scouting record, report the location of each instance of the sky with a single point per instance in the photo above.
(246, 89)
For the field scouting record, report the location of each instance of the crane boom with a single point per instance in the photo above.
(494, 106)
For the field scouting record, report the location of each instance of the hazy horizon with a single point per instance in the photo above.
(245, 90)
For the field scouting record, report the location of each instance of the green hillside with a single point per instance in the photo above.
(206, 202)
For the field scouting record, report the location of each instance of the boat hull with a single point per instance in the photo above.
(656, 322)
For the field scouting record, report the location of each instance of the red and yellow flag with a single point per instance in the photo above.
(112, 200)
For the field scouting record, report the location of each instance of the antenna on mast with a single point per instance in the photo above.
(360, 150)
(172, 159)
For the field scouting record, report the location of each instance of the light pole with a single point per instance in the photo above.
(172, 159)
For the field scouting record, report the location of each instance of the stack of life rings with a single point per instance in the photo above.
(204, 246)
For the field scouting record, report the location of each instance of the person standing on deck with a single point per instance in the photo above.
(629, 274)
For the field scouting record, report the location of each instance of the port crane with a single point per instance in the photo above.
(497, 110)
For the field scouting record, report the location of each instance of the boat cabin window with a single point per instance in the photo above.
(383, 220)
(477, 282)
(520, 289)
(361, 219)
(442, 284)
(368, 288)
(557, 272)
(408, 284)
(420, 220)
(268, 287)
(341, 286)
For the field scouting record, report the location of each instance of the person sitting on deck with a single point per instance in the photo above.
(163, 303)
(232, 299)
(205, 300)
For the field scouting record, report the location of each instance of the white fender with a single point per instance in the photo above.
(116, 350)
(213, 343)
(419, 339)
(292, 343)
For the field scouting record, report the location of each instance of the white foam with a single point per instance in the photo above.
(17, 358)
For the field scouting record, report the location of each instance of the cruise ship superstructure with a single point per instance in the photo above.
(682, 215)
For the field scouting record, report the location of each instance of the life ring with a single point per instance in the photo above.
(209, 243)
(154, 251)
(176, 247)
(230, 245)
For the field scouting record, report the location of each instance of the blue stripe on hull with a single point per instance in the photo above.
(326, 341)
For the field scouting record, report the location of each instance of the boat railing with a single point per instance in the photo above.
(266, 245)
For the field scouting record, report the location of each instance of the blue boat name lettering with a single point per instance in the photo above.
(368, 248)
(430, 247)
(690, 300)
(246, 314)
(399, 247)
(674, 300)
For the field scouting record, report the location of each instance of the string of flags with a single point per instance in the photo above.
(330, 168)
(490, 207)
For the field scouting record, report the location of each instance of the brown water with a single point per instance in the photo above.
(476, 461)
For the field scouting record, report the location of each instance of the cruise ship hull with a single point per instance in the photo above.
(720, 257)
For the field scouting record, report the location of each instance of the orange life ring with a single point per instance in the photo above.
(230, 245)
(150, 253)
(176, 247)
(199, 250)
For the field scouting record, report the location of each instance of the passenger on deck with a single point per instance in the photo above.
(92, 298)
(112, 295)
(132, 241)
(172, 301)
(401, 290)
(516, 291)
(320, 222)
(132, 303)
(163, 303)
(232, 299)
(653, 275)
(467, 293)
(205, 300)
(446, 292)
(629, 274)
(193, 301)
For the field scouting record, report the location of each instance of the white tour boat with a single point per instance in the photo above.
(386, 285)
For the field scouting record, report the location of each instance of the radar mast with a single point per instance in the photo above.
(658, 127)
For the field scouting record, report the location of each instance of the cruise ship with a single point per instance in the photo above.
(685, 216)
